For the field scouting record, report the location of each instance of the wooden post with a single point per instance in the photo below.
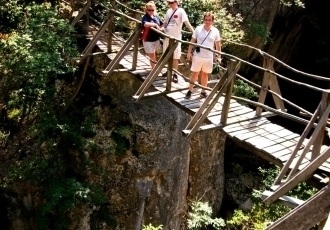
(111, 25)
(89, 3)
(319, 140)
(229, 91)
(270, 81)
(136, 43)
(169, 66)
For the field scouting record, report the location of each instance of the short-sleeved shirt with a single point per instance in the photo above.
(174, 25)
(199, 34)
(152, 36)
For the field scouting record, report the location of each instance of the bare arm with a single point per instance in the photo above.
(189, 53)
(218, 48)
(187, 23)
(151, 24)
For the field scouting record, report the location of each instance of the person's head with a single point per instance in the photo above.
(150, 8)
(208, 18)
(172, 3)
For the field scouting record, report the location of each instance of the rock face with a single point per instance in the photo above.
(148, 168)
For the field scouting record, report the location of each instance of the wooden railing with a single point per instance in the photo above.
(224, 87)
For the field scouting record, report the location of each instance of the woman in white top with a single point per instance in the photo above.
(202, 59)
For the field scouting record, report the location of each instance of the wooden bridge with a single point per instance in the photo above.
(299, 157)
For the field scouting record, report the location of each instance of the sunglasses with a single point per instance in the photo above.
(151, 10)
(208, 20)
(170, 3)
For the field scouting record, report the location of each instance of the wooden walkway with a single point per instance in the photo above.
(272, 142)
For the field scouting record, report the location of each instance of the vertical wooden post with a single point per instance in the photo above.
(270, 81)
(229, 91)
(111, 25)
(320, 136)
(169, 66)
(136, 43)
(89, 3)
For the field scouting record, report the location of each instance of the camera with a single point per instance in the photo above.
(198, 49)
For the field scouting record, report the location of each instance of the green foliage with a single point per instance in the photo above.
(228, 24)
(260, 214)
(242, 89)
(301, 191)
(10, 15)
(290, 3)
(151, 227)
(61, 196)
(257, 29)
(200, 217)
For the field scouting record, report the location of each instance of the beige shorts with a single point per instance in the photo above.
(201, 64)
(177, 51)
(151, 47)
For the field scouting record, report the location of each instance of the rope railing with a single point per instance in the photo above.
(262, 53)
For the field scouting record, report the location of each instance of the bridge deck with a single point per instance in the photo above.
(257, 134)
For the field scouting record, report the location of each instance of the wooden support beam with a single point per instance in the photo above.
(92, 43)
(138, 29)
(122, 52)
(81, 13)
(270, 81)
(306, 215)
(287, 164)
(291, 202)
(301, 176)
(155, 71)
(210, 101)
(170, 66)
(319, 140)
(111, 16)
(319, 128)
(229, 92)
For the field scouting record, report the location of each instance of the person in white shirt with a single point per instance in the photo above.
(174, 19)
(202, 59)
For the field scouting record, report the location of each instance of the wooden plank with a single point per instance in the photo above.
(307, 215)
(289, 201)
(299, 177)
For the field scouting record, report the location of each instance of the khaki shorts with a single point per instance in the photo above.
(177, 51)
(201, 64)
(151, 47)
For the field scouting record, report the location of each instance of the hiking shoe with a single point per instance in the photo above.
(188, 95)
(203, 95)
(164, 74)
(175, 78)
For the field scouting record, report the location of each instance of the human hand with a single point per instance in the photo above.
(189, 56)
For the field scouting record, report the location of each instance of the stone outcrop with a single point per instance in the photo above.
(149, 170)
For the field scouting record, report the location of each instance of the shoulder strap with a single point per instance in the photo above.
(171, 17)
(206, 36)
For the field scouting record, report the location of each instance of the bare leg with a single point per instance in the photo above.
(175, 64)
(193, 78)
(152, 60)
(204, 79)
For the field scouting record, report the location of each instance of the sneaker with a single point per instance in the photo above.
(175, 78)
(188, 95)
(203, 95)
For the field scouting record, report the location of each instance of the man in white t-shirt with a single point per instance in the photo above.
(174, 19)
(202, 59)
